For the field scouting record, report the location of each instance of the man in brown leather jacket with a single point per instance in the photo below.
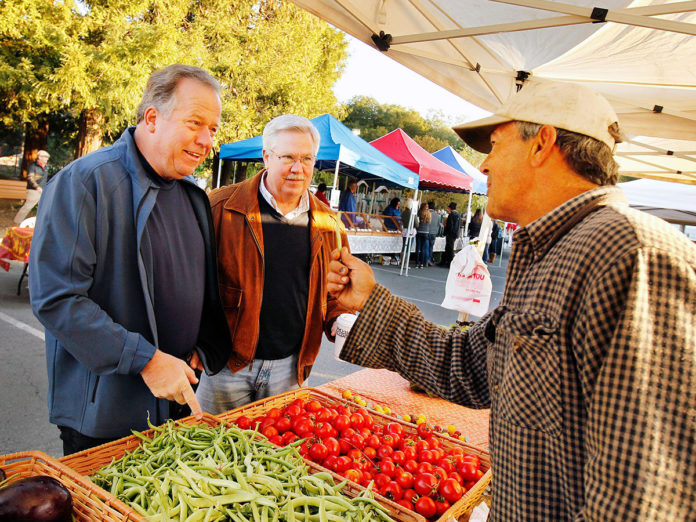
(274, 242)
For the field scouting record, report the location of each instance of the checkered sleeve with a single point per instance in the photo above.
(393, 334)
(639, 343)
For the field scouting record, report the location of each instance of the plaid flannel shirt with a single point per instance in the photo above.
(588, 365)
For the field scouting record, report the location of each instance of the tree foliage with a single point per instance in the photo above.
(92, 59)
(375, 120)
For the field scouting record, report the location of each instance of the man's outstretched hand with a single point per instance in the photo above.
(350, 280)
(169, 377)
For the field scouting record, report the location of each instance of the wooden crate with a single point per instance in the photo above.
(90, 502)
(459, 508)
(87, 462)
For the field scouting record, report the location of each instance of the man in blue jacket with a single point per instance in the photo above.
(123, 270)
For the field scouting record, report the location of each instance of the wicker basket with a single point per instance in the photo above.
(90, 502)
(90, 460)
(458, 509)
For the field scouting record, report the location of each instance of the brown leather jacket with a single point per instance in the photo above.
(239, 236)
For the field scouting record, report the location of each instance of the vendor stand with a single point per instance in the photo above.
(15, 246)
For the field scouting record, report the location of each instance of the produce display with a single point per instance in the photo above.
(411, 468)
(192, 473)
(35, 499)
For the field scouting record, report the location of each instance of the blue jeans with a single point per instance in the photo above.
(431, 244)
(421, 249)
(226, 390)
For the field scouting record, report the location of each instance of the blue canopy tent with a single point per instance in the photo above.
(454, 159)
(339, 148)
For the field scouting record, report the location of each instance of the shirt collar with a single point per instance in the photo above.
(301, 208)
(545, 231)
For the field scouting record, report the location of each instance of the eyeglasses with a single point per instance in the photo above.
(289, 159)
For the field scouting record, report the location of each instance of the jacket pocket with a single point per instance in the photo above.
(529, 391)
(232, 305)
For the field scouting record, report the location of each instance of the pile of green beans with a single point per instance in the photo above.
(202, 473)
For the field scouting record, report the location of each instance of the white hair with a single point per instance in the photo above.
(289, 123)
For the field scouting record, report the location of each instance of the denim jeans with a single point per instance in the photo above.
(226, 390)
(422, 249)
(431, 244)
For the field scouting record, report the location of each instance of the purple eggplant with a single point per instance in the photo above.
(35, 499)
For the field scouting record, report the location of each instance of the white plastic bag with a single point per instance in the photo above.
(469, 285)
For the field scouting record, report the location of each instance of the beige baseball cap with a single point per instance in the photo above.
(567, 106)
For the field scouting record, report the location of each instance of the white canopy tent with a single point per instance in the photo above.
(640, 55)
(670, 201)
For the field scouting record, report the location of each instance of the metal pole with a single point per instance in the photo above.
(468, 214)
(407, 255)
(372, 203)
(219, 172)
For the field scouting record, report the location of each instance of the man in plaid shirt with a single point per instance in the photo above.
(589, 363)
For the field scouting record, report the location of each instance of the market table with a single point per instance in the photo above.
(15, 246)
(387, 388)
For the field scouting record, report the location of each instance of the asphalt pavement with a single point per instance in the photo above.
(23, 383)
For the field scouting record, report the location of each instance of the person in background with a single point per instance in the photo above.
(347, 201)
(589, 362)
(422, 232)
(496, 246)
(123, 270)
(406, 232)
(452, 223)
(36, 173)
(274, 240)
(393, 209)
(321, 194)
(433, 231)
(475, 224)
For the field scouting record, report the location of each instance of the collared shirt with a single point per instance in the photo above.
(301, 208)
(588, 365)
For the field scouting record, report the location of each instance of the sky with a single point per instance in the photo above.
(368, 72)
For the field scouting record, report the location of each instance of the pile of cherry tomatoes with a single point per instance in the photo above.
(410, 468)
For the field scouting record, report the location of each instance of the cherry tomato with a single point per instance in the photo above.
(243, 422)
(398, 457)
(426, 506)
(410, 494)
(274, 413)
(292, 410)
(389, 440)
(372, 441)
(425, 484)
(358, 441)
(421, 445)
(299, 403)
(289, 437)
(447, 463)
(426, 456)
(354, 474)
(433, 442)
(318, 452)
(357, 421)
(441, 505)
(440, 474)
(451, 490)
(344, 446)
(387, 467)
(411, 466)
(381, 480)
(370, 453)
(332, 446)
(456, 476)
(467, 470)
(323, 430)
(392, 490)
(405, 503)
(347, 433)
(384, 451)
(324, 415)
(276, 439)
(424, 430)
(342, 463)
(409, 452)
(282, 424)
(313, 406)
(405, 479)
(269, 431)
(425, 467)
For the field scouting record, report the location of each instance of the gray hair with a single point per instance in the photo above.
(587, 156)
(289, 123)
(161, 86)
(43, 153)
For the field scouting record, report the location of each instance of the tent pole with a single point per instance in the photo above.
(407, 255)
(219, 172)
(372, 203)
(335, 181)
(468, 214)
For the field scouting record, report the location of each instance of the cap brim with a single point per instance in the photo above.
(477, 134)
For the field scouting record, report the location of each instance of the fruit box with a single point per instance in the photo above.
(90, 502)
(87, 462)
(457, 510)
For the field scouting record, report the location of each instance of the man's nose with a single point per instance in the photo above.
(205, 138)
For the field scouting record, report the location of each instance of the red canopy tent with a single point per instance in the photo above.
(433, 173)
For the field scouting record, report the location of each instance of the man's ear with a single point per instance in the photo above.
(542, 145)
(150, 118)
